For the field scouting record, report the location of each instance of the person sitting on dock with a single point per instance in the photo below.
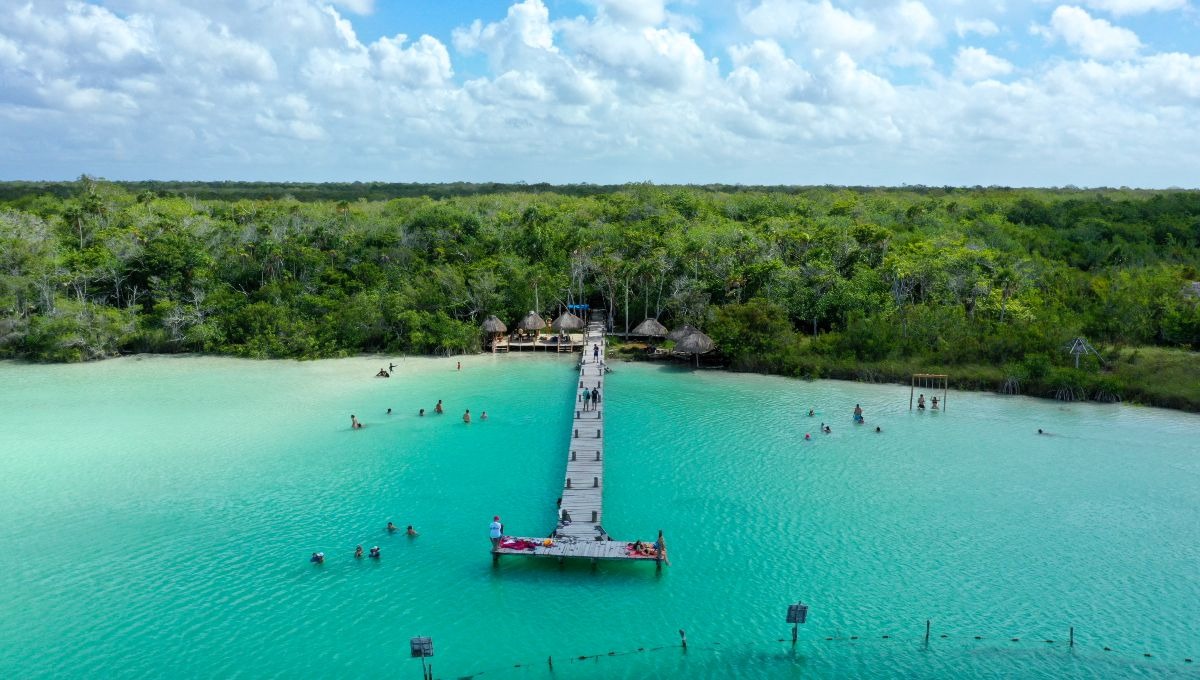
(410, 531)
(383, 374)
(660, 548)
(438, 409)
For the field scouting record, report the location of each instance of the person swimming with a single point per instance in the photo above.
(858, 414)
(410, 531)
(374, 553)
(811, 413)
(935, 401)
(921, 402)
(389, 412)
(391, 528)
(354, 424)
(317, 558)
(483, 416)
(467, 416)
(421, 412)
(807, 437)
(438, 408)
(828, 430)
(358, 552)
(877, 429)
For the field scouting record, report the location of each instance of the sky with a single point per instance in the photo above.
(853, 92)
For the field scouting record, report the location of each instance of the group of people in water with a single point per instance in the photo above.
(921, 403)
(374, 553)
(859, 419)
(356, 424)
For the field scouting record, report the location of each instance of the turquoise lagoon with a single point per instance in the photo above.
(157, 515)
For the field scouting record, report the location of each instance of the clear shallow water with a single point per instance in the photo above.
(158, 515)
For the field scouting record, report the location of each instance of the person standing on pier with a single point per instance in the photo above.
(596, 353)
(587, 397)
(595, 398)
(495, 530)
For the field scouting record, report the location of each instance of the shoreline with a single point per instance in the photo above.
(1082, 385)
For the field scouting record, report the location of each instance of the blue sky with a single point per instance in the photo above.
(1040, 93)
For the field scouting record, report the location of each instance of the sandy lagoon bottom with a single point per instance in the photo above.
(158, 515)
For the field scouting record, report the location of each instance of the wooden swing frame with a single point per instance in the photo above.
(929, 381)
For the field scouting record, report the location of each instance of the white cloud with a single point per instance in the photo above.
(984, 27)
(356, 6)
(287, 89)
(900, 29)
(1095, 38)
(975, 63)
(1126, 7)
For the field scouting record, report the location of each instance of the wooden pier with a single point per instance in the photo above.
(578, 533)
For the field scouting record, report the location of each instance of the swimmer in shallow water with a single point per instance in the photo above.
(421, 412)
(391, 528)
(811, 413)
(410, 531)
(467, 416)
(354, 424)
(358, 552)
(877, 429)
(317, 558)
(374, 553)
(438, 407)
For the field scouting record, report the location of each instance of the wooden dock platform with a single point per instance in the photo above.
(580, 533)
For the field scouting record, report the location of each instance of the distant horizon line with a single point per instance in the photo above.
(597, 185)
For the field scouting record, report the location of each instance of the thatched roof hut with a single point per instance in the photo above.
(532, 322)
(682, 332)
(567, 322)
(492, 324)
(694, 343)
(651, 328)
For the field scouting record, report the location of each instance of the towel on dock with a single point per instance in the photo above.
(517, 544)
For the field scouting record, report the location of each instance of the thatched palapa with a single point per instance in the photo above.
(532, 322)
(492, 324)
(651, 328)
(694, 343)
(567, 322)
(681, 332)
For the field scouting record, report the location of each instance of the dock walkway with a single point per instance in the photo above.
(582, 536)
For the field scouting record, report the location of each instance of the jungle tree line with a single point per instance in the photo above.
(91, 269)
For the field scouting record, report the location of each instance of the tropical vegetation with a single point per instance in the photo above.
(990, 285)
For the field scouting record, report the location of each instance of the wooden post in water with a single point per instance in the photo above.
(1072, 637)
(926, 632)
(683, 637)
